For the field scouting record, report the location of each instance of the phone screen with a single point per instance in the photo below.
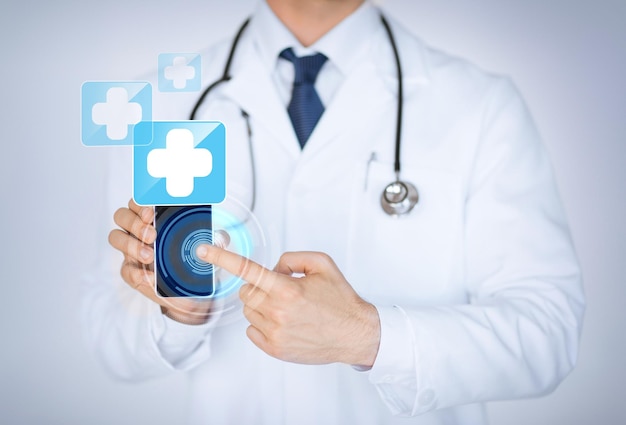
(180, 230)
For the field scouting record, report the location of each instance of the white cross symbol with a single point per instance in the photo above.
(179, 72)
(179, 163)
(116, 113)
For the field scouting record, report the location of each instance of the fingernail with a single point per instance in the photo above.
(145, 213)
(150, 235)
(221, 239)
(145, 253)
(202, 251)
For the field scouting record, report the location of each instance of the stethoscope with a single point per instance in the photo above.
(399, 197)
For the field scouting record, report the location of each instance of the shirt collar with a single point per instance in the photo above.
(354, 33)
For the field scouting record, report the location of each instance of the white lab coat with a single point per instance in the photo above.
(478, 289)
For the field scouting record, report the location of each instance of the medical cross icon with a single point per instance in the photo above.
(117, 113)
(184, 165)
(112, 110)
(179, 163)
(179, 72)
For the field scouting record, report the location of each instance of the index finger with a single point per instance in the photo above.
(238, 265)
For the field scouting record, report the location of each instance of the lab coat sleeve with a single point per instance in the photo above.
(132, 338)
(518, 335)
(128, 332)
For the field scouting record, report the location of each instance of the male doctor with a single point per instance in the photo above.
(473, 296)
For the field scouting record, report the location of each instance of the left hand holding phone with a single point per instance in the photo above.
(135, 240)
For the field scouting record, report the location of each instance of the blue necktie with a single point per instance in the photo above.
(305, 107)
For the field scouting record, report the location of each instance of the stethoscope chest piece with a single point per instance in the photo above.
(399, 198)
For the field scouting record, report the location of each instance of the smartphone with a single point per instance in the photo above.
(178, 270)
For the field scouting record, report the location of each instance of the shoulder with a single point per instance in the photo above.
(445, 72)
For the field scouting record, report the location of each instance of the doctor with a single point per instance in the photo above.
(475, 295)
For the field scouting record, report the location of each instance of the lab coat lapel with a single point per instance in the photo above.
(361, 98)
(364, 97)
(254, 91)
(369, 92)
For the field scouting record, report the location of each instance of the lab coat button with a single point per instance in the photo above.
(426, 397)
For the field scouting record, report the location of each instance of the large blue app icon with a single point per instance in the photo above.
(111, 109)
(179, 72)
(184, 165)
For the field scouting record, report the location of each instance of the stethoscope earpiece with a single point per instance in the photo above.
(399, 198)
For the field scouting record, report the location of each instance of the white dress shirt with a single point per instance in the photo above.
(344, 46)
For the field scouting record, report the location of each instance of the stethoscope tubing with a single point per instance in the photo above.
(225, 75)
(392, 208)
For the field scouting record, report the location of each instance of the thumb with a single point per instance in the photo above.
(304, 262)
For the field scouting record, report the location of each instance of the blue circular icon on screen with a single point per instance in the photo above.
(180, 273)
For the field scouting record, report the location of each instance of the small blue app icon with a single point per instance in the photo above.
(111, 109)
(184, 165)
(179, 72)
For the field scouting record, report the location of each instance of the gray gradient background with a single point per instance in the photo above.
(567, 57)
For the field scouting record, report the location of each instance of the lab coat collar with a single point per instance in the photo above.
(346, 43)
(359, 100)
(412, 54)
(355, 33)
(371, 87)
(271, 36)
(254, 91)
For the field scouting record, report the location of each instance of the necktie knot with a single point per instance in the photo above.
(306, 67)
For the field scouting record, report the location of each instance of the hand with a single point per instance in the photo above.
(135, 240)
(315, 319)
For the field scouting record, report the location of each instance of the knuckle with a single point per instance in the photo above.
(125, 272)
(274, 347)
(271, 336)
(124, 244)
(256, 299)
(278, 316)
(132, 274)
(137, 275)
(120, 241)
(287, 296)
(247, 312)
(290, 294)
(143, 232)
(246, 292)
(137, 227)
(323, 258)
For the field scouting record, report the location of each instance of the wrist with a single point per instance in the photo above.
(367, 339)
